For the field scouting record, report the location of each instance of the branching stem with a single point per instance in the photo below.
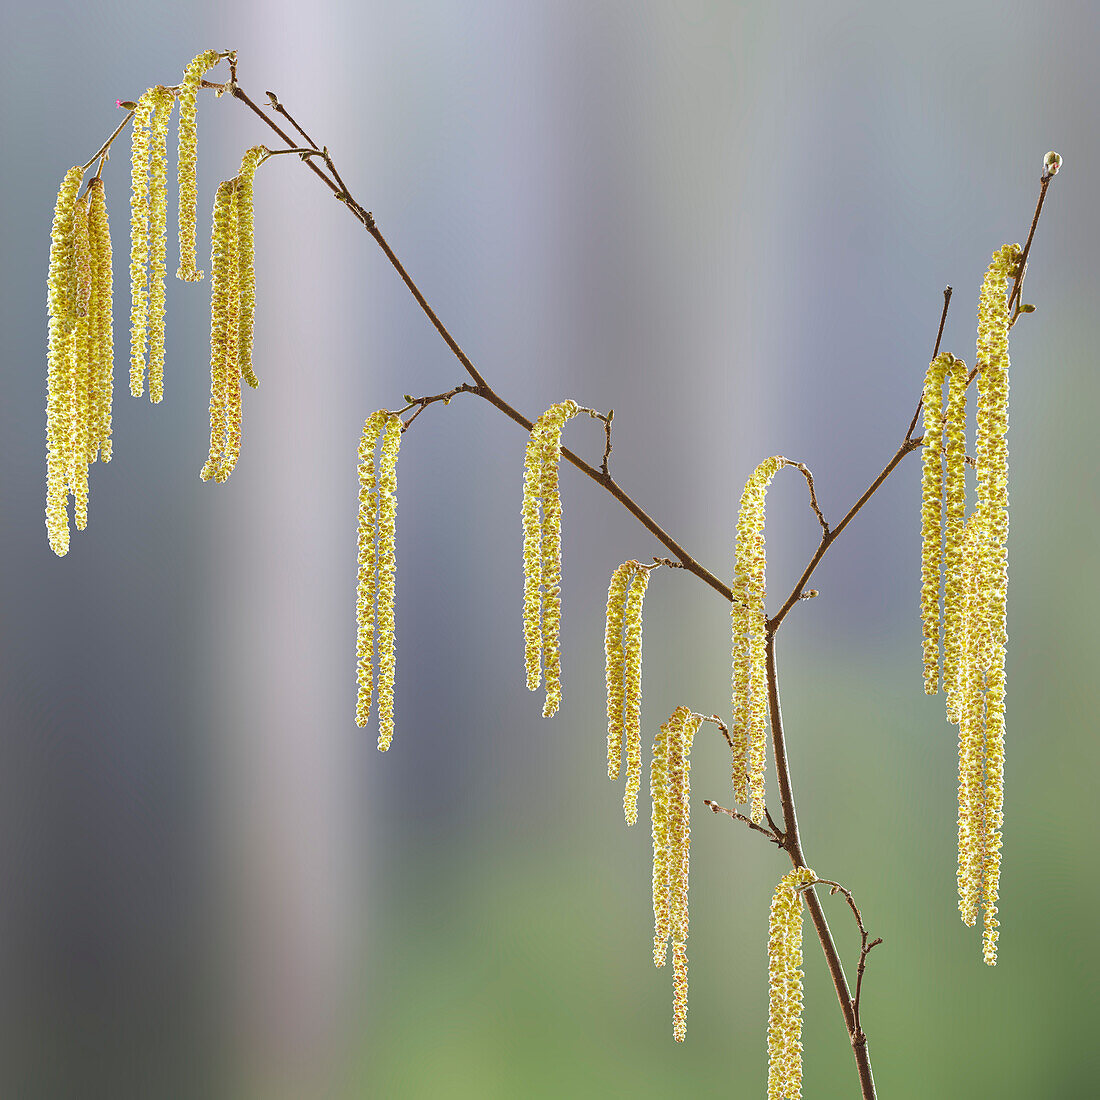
(788, 837)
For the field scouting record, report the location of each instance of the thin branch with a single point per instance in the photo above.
(813, 495)
(102, 150)
(482, 388)
(275, 105)
(1021, 271)
(935, 351)
(865, 947)
(421, 403)
(775, 838)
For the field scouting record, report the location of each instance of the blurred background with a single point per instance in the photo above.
(733, 223)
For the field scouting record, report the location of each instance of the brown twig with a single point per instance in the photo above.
(813, 495)
(865, 947)
(775, 838)
(421, 403)
(935, 351)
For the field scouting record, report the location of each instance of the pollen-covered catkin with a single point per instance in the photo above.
(79, 364)
(102, 322)
(139, 238)
(937, 420)
(970, 706)
(61, 309)
(542, 553)
(232, 336)
(632, 692)
(955, 509)
(613, 652)
(387, 565)
(749, 681)
(187, 160)
(222, 245)
(158, 238)
(992, 468)
(670, 786)
(367, 590)
(785, 987)
(247, 252)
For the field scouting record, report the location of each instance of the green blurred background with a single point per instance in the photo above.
(732, 223)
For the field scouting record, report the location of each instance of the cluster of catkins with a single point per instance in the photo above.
(79, 299)
(971, 556)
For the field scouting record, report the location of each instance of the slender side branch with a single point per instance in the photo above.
(774, 837)
(935, 352)
(866, 945)
(813, 495)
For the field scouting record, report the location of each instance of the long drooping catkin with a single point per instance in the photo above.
(367, 590)
(670, 787)
(187, 159)
(158, 239)
(102, 322)
(785, 987)
(937, 423)
(623, 651)
(617, 592)
(61, 308)
(377, 565)
(387, 566)
(223, 351)
(992, 467)
(247, 260)
(542, 553)
(80, 359)
(975, 628)
(139, 237)
(749, 682)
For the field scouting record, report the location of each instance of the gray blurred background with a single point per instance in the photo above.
(733, 224)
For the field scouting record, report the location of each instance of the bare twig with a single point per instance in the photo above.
(421, 403)
(935, 352)
(813, 495)
(775, 838)
(865, 947)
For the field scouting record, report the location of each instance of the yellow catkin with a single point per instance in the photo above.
(232, 336)
(542, 554)
(158, 239)
(80, 352)
(387, 566)
(367, 588)
(967, 699)
(102, 322)
(992, 469)
(749, 681)
(222, 243)
(785, 987)
(61, 310)
(932, 497)
(247, 247)
(614, 653)
(632, 693)
(955, 511)
(658, 790)
(670, 786)
(139, 238)
(187, 160)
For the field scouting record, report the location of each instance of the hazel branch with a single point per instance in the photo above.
(481, 386)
